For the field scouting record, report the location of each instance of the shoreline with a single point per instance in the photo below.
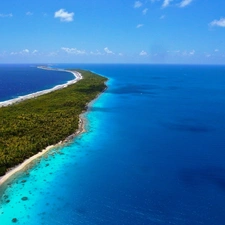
(19, 168)
(81, 125)
(76, 74)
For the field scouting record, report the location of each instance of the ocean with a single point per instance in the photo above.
(21, 79)
(153, 153)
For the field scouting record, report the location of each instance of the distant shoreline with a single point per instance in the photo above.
(80, 129)
(76, 74)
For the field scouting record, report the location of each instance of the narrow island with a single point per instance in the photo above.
(29, 126)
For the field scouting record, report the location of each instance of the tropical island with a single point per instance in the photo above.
(29, 126)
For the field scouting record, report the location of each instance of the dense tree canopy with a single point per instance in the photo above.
(31, 125)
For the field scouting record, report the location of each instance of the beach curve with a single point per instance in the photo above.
(80, 129)
(76, 74)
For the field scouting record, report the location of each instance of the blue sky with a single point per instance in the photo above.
(119, 31)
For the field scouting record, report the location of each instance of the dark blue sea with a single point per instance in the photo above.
(20, 79)
(153, 154)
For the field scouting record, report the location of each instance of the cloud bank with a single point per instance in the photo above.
(74, 51)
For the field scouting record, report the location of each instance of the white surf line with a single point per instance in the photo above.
(77, 75)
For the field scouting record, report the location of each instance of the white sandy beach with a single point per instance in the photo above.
(23, 165)
(77, 75)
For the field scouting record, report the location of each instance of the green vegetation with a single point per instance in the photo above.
(30, 126)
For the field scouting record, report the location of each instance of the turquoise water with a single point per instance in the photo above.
(153, 153)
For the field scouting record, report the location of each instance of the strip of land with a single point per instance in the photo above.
(34, 124)
(77, 75)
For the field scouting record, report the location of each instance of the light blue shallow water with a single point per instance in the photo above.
(153, 153)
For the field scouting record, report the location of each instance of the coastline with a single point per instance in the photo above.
(76, 74)
(23, 165)
(80, 129)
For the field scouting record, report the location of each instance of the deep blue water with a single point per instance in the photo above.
(18, 80)
(153, 153)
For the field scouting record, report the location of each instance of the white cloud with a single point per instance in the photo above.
(219, 23)
(145, 11)
(6, 15)
(29, 13)
(52, 54)
(187, 53)
(97, 52)
(137, 4)
(174, 52)
(162, 17)
(23, 52)
(192, 52)
(64, 16)
(166, 3)
(143, 53)
(139, 25)
(26, 51)
(81, 52)
(74, 51)
(184, 3)
(108, 51)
